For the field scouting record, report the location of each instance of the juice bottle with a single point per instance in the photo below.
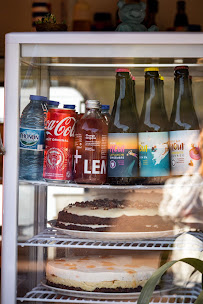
(91, 146)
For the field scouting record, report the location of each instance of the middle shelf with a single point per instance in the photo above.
(51, 238)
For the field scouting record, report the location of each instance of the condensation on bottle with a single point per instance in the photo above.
(32, 137)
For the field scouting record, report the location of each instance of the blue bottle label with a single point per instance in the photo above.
(32, 139)
(154, 154)
(122, 155)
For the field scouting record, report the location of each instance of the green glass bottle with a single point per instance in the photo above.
(153, 132)
(122, 137)
(184, 127)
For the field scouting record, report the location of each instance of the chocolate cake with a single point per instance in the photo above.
(105, 215)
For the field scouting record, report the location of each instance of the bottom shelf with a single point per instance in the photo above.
(42, 294)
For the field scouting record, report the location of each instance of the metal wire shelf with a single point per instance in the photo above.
(51, 238)
(42, 294)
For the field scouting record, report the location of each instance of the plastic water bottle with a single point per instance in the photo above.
(32, 138)
(70, 107)
(52, 104)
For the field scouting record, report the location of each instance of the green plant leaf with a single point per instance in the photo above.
(199, 299)
(150, 285)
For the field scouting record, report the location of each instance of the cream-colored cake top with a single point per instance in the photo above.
(101, 268)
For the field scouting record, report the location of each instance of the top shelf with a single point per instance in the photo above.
(108, 45)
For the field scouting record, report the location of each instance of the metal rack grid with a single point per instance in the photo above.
(51, 238)
(42, 294)
(105, 186)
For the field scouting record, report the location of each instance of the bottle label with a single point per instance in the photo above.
(32, 139)
(122, 155)
(154, 154)
(185, 152)
(90, 156)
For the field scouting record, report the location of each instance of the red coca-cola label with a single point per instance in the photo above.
(59, 144)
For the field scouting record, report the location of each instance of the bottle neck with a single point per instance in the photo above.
(123, 116)
(183, 113)
(153, 116)
(92, 113)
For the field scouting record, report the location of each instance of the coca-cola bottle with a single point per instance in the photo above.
(91, 146)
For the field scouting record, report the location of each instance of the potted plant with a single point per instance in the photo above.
(48, 23)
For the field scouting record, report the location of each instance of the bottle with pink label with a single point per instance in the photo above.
(91, 146)
(184, 127)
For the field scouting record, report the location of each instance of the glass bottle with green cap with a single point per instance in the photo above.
(122, 137)
(153, 133)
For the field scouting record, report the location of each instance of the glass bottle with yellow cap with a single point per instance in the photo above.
(153, 132)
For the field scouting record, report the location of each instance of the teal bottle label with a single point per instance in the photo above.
(154, 154)
(32, 139)
(122, 155)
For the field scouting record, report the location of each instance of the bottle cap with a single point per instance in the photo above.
(151, 70)
(53, 103)
(105, 107)
(71, 107)
(161, 77)
(133, 78)
(183, 67)
(38, 98)
(122, 70)
(92, 104)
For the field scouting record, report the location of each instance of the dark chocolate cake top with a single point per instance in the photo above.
(107, 204)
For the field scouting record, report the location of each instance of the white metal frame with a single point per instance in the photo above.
(162, 45)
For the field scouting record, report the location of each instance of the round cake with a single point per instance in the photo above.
(105, 215)
(99, 273)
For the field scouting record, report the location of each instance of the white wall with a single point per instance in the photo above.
(15, 16)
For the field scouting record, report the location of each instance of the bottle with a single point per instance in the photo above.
(134, 98)
(70, 107)
(184, 127)
(122, 137)
(181, 19)
(161, 86)
(91, 146)
(153, 136)
(105, 113)
(32, 139)
(81, 16)
(52, 104)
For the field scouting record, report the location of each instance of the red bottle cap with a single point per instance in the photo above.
(122, 70)
(184, 67)
(133, 78)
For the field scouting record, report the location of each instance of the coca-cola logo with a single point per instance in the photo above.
(64, 127)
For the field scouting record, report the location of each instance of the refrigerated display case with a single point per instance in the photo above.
(37, 63)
